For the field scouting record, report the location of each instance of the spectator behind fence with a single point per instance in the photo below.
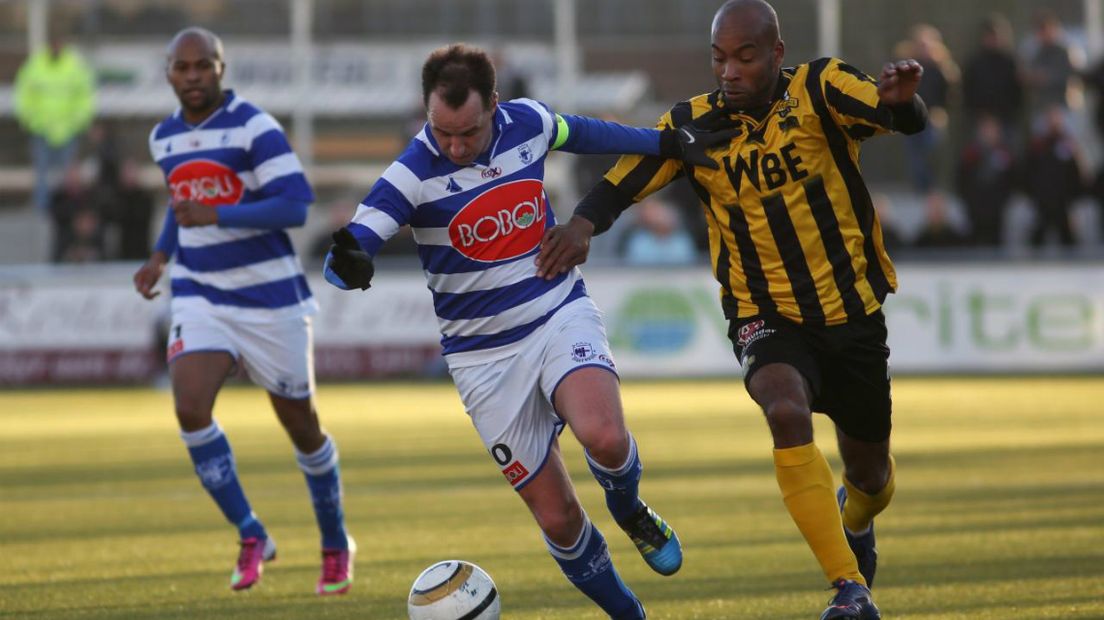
(129, 212)
(941, 75)
(1052, 67)
(938, 231)
(992, 83)
(1055, 177)
(54, 100)
(658, 237)
(985, 179)
(69, 207)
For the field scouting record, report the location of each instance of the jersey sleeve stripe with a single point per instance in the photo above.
(405, 181)
(369, 239)
(548, 123)
(377, 220)
(849, 106)
(268, 145)
(259, 125)
(276, 167)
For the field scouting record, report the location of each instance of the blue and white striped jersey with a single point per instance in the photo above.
(479, 227)
(237, 155)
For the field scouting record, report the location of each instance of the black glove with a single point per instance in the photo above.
(690, 143)
(347, 266)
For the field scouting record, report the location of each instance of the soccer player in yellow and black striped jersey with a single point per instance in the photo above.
(797, 248)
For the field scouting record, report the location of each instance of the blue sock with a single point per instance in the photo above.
(214, 464)
(324, 481)
(588, 566)
(622, 485)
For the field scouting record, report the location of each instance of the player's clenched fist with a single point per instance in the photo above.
(347, 266)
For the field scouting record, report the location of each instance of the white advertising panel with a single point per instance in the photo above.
(89, 326)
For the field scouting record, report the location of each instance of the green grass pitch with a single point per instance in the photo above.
(999, 510)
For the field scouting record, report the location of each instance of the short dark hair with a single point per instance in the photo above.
(456, 70)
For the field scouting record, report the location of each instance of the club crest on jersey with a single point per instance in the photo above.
(504, 222)
(205, 181)
(525, 153)
(582, 352)
(789, 104)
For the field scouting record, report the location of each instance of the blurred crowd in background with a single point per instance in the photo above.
(1029, 117)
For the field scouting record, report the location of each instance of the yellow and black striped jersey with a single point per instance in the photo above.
(792, 229)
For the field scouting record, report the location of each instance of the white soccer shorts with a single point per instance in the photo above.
(277, 355)
(510, 399)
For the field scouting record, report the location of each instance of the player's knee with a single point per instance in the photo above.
(562, 526)
(870, 477)
(788, 417)
(609, 446)
(192, 414)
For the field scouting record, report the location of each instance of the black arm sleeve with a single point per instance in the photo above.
(911, 117)
(602, 205)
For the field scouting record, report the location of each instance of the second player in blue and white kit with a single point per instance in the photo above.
(239, 295)
(527, 354)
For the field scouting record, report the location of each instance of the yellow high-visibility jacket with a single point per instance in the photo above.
(55, 96)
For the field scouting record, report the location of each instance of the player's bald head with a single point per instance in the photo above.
(756, 16)
(193, 35)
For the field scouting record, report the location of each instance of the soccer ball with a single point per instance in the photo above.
(453, 590)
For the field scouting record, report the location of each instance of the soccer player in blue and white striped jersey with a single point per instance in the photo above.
(528, 355)
(238, 294)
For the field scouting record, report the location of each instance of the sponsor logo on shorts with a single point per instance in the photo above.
(515, 473)
(175, 348)
(607, 360)
(751, 332)
(582, 352)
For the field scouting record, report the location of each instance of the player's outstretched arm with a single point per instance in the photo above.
(564, 246)
(347, 266)
(691, 144)
(582, 134)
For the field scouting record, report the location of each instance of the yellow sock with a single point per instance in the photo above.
(860, 508)
(806, 483)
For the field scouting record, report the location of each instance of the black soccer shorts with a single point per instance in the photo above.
(847, 366)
